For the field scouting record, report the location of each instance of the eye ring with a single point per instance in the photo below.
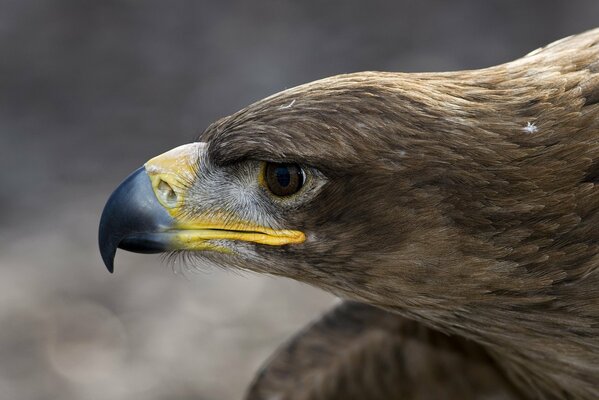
(283, 179)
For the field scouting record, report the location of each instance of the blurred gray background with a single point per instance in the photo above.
(89, 90)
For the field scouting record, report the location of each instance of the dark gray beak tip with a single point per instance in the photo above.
(132, 219)
(112, 227)
(109, 262)
(107, 245)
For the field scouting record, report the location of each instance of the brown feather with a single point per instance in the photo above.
(358, 352)
(468, 201)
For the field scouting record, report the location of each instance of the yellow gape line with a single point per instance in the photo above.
(170, 174)
(193, 239)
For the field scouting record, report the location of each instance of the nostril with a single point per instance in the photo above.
(166, 193)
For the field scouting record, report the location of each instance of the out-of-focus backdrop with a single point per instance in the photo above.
(89, 90)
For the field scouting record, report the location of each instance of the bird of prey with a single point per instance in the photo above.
(459, 203)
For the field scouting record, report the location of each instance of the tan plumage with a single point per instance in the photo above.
(466, 202)
(495, 201)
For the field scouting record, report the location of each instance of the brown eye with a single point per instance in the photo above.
(284, 179)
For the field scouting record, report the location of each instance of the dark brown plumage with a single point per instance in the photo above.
(358, 352)
(474, 225)
(447, 209)
(465, 201)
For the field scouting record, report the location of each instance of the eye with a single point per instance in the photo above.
(284, 179)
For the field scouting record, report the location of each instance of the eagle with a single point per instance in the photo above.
(455, 213)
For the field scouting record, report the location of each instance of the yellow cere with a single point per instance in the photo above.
(169, 173)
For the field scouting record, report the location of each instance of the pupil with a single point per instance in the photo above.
(283, 179)
(283, 176)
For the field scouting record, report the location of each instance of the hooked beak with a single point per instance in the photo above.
(133, 219)
(144, 214)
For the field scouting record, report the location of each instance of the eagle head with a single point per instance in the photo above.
(321, 183)
(467, 200)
